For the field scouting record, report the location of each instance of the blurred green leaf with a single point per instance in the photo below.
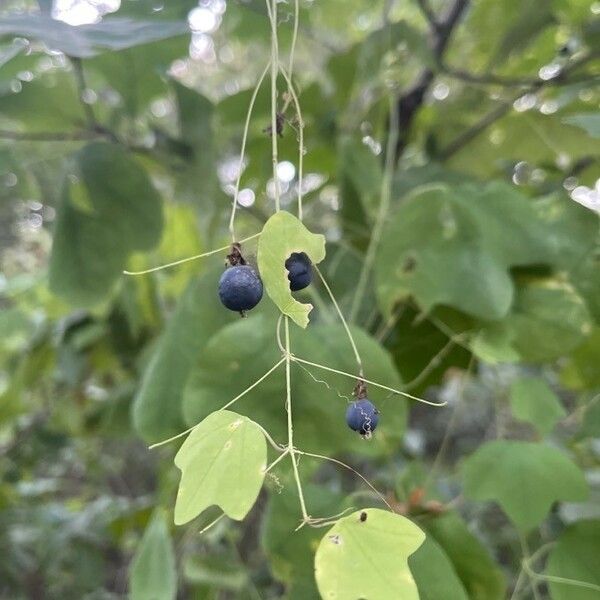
(157, 405)
(532, 400)
(531, 331)
(473, 564)
(109, 209)
(525, 478)
(84, 41)
(448, 246)
(153, 574)
(576, 557)
(434, 573)
(589, 122)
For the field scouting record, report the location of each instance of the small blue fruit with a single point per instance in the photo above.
(240, 288)
(362, 416)
(299, 270)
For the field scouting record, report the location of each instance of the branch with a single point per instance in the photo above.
(81, 89)
(428, 13)
(497, 113)
(411, 101)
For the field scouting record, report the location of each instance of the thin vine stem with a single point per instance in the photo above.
(277, 460)
(290, 424)
(300, 120)
(243, 149)
(241, 395)
(346, 466)
(272, 11)
(295, 358)
(294, 38)
(384, 205)
(342, 319)
(190, 258)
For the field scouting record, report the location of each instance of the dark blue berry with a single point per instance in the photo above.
(299, 271)
(362, 416)
(240, 288)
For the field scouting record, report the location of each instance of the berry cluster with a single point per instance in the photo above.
(241, 289)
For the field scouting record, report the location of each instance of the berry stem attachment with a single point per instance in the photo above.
(243, 150)
(190, 258)
(290, 425)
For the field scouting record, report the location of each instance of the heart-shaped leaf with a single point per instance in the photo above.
(283, 234)
(222, 463)
(365, 555)
(525, 478)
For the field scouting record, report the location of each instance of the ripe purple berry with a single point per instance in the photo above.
(240, 288)
(362, 416)
(299, 270)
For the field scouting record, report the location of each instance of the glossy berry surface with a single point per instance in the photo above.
(362, 416)
(299, 271)
(240, 288)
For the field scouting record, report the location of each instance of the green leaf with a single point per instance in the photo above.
(368, 558)
(157, 405)
(576, 556)
(589, 122)
(448, 245)
(240, 353)
(531, 332)
(109, 209)
(153, 575)
(83, 41)
(434, 573)
(525, 478)
(283, 234)
(532, 400)
(222, 463)
(473, 564)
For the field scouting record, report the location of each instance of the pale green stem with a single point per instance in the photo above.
(384, 204)
(241, 395)
(277, 460)
(211, 524)
(272, 11)
(373, 383)
(290, 426)
(343, 464)
(243, 150)
(185, 260)
(526, 558)
(300, 120)
(294, 38)
(343, 320)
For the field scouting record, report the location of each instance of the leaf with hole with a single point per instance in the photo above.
(222, 463)
(365, 555)
(283, 234)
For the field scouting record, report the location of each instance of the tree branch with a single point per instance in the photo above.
(499, 111)
(411, 101)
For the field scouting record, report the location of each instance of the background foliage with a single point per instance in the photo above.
(478, 284)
